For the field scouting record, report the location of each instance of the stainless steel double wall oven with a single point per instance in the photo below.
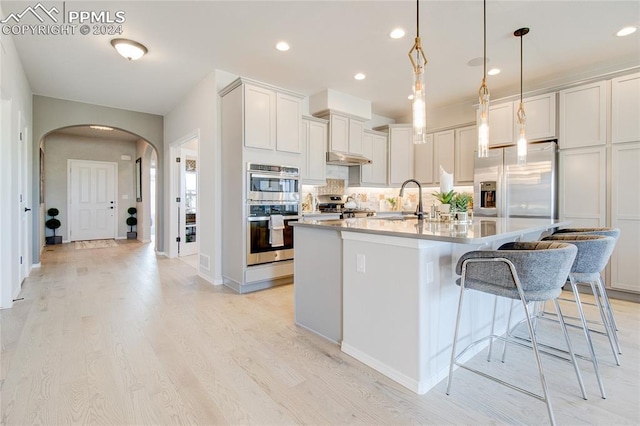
(271, 190)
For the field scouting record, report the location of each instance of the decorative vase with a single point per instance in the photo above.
(444, 208)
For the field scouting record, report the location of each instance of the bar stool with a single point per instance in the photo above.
(525, 271)
(593, 255)
(602, 293)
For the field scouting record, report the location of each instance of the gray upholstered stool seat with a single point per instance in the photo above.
(603, 298)
(593, 254)
(525, 271)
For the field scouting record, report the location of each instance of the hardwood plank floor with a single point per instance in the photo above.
(118, 336)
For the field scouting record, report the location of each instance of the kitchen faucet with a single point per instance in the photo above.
(419, 211)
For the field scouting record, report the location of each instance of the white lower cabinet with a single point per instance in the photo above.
(625, 215)
(582, 186)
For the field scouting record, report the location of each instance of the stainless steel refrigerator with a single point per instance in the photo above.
(502, 188)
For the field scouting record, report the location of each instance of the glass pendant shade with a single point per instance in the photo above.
(522, 137)
(483, 127)
(419, 108)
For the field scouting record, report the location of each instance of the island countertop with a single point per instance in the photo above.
(477, 231)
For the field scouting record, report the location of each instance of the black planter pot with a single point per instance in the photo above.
(54, 240)
(132, 235)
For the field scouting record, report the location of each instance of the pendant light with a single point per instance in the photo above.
(483, 95)
(520, 116)
(419, 105)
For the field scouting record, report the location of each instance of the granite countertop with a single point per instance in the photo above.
(480, 230)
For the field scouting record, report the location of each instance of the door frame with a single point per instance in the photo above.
(26, 217)
(115, 194)
(174, 191)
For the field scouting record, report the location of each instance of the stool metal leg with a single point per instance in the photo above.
(455, 333)
(493, 325)
(587, 335)
(570, 347)
(608, 328)
(607, 305)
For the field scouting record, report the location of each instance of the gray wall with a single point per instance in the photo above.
(61, 147)
(51, 114)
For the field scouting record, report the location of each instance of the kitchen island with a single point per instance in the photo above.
(384, 289)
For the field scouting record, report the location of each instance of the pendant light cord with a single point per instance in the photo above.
(417, 18)
(484, 40)
(521, 68)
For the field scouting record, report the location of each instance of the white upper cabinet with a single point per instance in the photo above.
(345, 132)
(314, 149)
(501, 119)
(423, 161)
(400, 153)
(374, 147)
(540, 112)
(583, 116)
(466, 140)
(271, 117)
(625, 109)
(443, 153)
(259, 117)
(288, 119)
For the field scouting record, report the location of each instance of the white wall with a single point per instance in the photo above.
(15, 94)
(60, 147)
(197, 113)
(50, 114)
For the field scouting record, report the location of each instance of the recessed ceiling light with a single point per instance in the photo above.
(101, 127)
(397, 33)
(410, 97)
(282, 46)
(493, 71)
(626, 31)
(130, 49)
(360, 76)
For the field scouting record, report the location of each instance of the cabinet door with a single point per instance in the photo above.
(356, 132)
(443, 147)
(501, 118)
(288, 118)
(400, 155)
(260, 117)
(625, 215)
(316, 151)
(304, 140)
(423, 163)
(466, 139)
(379, 160)
(581, 195)
(625, 109)
(366, 170)
(339, 138)
(583, 116)
(541, 117)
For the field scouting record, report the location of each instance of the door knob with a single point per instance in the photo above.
(111, 207)
(27, 209)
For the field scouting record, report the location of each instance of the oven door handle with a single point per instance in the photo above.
(263, 218)
(275, 175)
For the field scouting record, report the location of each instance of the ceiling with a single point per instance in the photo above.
(330, 41)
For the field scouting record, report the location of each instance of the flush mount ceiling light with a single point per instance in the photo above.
(418, 106)
(360, 76)
(626, 31)
(130, 49)
(397, 33)
(521, 146)
(101, 127)
(483, 94)
(282, 46)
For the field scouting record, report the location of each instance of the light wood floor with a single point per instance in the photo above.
(118, 336)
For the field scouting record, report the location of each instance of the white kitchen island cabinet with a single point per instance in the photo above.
(385, 288)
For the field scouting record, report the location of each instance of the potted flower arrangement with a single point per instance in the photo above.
(460, 205)
(445, 200)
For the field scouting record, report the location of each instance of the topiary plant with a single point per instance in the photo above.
(53, 224)
(131, 220)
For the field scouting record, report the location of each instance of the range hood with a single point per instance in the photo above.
(341, 159)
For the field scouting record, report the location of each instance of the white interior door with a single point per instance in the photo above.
(25, 202)
(92, 200)
(188, 203)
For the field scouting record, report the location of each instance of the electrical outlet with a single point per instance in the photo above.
(360, 264)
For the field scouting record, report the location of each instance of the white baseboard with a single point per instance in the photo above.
(36, 265)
